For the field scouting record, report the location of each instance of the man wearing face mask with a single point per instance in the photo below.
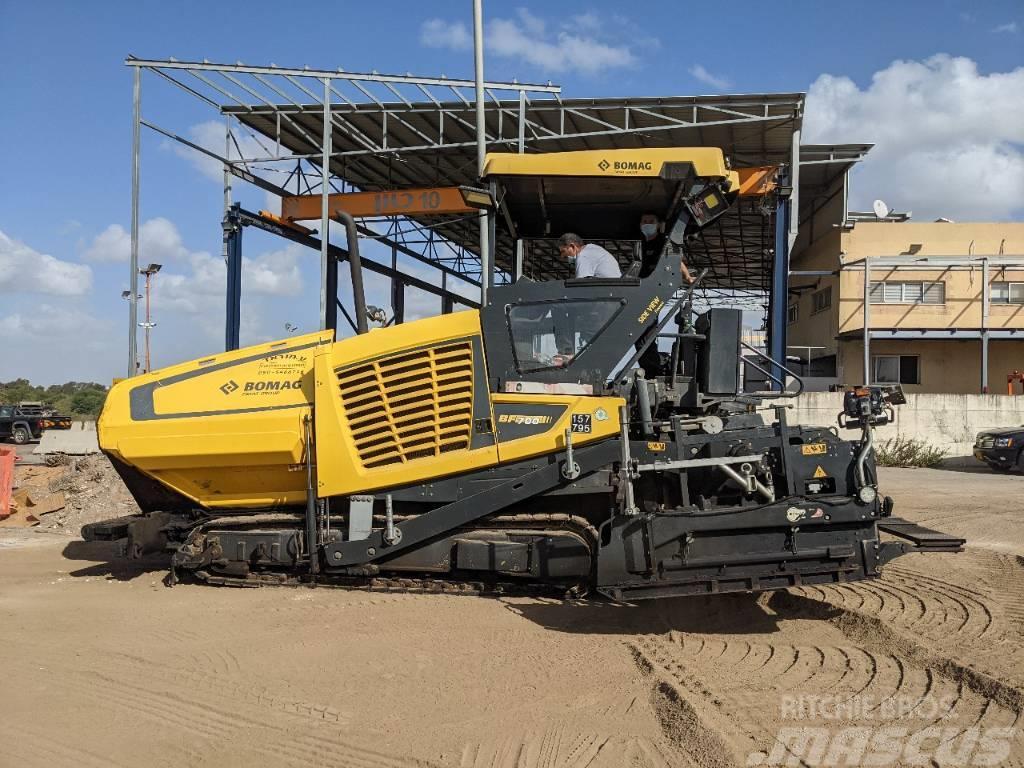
(652, 244)
(589, 260)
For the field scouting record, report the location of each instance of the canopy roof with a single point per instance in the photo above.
(406, 144)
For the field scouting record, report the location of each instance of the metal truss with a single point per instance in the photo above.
(318, 131)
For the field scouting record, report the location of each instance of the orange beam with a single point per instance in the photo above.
(402, 202)
(757, 181)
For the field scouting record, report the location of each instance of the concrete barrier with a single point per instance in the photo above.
(950, 422)
(80, 440)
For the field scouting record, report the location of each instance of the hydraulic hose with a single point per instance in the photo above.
(356, 267)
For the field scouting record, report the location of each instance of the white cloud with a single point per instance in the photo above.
(715, 81)
(1010, 27)
(79, 346)
(438, 33)
(52, 322)
(25, 270)
(159, 242)
(581, 45)
(211, 135)
(275, 273)
(948, 138)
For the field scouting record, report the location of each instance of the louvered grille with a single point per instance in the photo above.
(411, 405)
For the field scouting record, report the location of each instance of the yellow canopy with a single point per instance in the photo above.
(707, 162)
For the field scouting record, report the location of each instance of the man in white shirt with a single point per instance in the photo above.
(590, 260)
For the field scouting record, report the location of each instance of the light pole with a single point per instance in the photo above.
(148, 271)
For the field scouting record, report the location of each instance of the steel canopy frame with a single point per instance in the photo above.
(308, 131)
(221, 85)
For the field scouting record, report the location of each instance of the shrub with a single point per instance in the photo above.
(908, 452)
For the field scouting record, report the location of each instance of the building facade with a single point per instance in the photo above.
(944, 306)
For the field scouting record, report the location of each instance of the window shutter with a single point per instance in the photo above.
(934, 293)
(876, 294)
(912, 292)
(1000, 293)
(1016, 295)
(893, 293)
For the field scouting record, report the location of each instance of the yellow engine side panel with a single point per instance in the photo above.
(403, 405)
(227, 430)
(530, 425)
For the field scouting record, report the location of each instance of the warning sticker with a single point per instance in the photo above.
(819, 472)
(813, 449)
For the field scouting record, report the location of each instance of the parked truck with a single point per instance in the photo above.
(22, 423)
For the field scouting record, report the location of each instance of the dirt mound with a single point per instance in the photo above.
(88, 486)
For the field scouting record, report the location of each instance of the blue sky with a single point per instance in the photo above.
(936, 84)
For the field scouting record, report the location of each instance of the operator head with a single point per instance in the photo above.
(590, 260)
(569, 246)
(650, 225)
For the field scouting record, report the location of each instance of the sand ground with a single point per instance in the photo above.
(101, 665)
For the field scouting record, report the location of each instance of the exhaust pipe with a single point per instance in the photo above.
(356, 267)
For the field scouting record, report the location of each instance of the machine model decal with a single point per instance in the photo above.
(656, 447)
(813, 449)
(652, 308)
(581, 422)
(519, 418)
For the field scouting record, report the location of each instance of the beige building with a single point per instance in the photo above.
(944, 310)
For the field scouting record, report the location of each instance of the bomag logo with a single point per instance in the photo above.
(274, 385)
(519, 418)
(656, 304)
(631, 165)
(625, 166)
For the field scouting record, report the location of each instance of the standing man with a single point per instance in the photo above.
(653, 243)
(590, 260)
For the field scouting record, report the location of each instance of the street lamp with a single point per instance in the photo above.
(148, 271)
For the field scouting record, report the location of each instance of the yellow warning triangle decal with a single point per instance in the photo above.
(819, 472)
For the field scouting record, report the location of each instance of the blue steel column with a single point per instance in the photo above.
(779, 299)
(233, 295)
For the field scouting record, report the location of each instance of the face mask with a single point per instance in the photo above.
(572, 258)
(649, 230)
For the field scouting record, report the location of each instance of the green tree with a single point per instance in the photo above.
(88, 402)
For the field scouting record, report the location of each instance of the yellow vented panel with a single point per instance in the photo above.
(409, 406)
(403, 405)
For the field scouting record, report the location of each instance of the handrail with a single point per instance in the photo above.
(770, 394)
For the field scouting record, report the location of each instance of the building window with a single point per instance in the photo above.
(794, 313)
(908, 292)
(822, 299)
(895, 369)
(1007, 293)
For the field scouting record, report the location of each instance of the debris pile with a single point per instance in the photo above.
(66, 497)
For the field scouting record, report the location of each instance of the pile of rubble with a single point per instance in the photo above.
(66, 497)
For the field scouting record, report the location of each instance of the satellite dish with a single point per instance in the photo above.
(881, 209)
